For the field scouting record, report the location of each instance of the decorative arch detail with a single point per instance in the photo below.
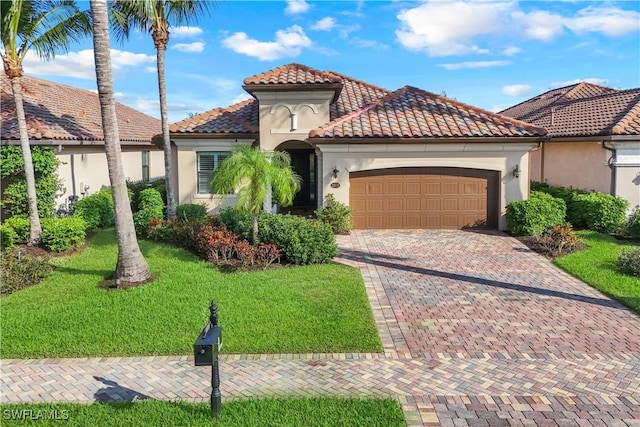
(293, 111)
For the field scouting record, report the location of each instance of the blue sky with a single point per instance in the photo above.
(491, 54)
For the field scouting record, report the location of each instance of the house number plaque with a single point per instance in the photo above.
(335, 185)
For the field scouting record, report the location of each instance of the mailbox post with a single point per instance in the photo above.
(206, 353)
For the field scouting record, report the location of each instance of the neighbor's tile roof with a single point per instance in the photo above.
(238, 118)
(59, 112)
(582, 110)
(414, 113)
(292, 74)
(243, 117)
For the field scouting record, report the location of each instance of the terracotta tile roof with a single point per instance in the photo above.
(243, 117)
(292, 74)
(59, 112)
(583, 110)
(414, 113)
(238, 118)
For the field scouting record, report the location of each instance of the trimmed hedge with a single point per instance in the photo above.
(21, 226)
(8, 237)
(190, 212)
(135, 187)
(536, 215)
(602, 212)
(61, 234)
(150, 206)
(302, 241)
(629, 261)
(96, 210)
(239, 221)
(589, 209)
(633, 225)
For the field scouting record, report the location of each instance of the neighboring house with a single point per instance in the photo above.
(594, 138)
(68, 120)
(402, 159)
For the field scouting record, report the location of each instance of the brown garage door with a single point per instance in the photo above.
(424, 198)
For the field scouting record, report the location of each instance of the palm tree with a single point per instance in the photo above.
(255, 175)
(156, 17)
(131, 266)
(43, 27)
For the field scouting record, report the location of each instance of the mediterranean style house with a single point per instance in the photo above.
(593, 138)
(68, 120)
(400, 159)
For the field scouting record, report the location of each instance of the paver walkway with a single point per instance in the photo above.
(477, 331)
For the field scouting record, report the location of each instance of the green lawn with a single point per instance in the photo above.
(276, 412)
(319, 308)
(596, 266)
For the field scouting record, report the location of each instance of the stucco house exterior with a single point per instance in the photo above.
(594, 138)
(68, 120)
(400, 159)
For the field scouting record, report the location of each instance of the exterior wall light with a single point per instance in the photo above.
(335, 171)
(516, 171)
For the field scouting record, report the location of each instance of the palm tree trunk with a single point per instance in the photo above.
(255, 229)
(131, 266)
(34, 218)
(168, 160)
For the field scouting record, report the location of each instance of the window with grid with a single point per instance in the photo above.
(208, 161)
(145, 166)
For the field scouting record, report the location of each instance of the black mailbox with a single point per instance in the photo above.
(206, 350)
(208, 345)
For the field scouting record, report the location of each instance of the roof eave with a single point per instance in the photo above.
(294, 87)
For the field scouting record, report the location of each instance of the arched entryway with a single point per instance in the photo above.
(305, 163)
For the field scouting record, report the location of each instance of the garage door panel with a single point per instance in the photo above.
(424, 198)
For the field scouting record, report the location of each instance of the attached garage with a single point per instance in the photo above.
(424, 197)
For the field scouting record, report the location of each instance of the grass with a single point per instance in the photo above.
(596, 266)
(318, 308)
(280, 412)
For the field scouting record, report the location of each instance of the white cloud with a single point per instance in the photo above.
(185, 32)
(516, 90)
(241, 97)
(289, 43)
(540, 25)
(295, 7)
(609, 21)
(448, 28)
(511, 50)
(367, 44)
(81, 64)
(474, 64)
(325, 24)
(194, 47)
(592, 80)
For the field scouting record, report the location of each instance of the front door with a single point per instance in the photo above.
(303, 162)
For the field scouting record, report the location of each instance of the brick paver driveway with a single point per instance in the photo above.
(525, 343)
(477, 331)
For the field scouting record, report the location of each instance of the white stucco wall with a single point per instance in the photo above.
(187, 171)
(628, 172)
(502, 157)
(83, 167)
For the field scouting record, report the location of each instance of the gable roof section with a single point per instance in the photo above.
(292, 74)
(67, 114)
(583, 110)
(414, 113)
(243, 118)
(240, 118)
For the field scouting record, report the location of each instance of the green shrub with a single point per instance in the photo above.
(629, 261)
(574, 210)
(8, 237)
(190, 211)
(336, 215)
(602, 212)
(135, 187)
(150, 207)
(21, 226)
(96, 210)
(17, 272)
(536, 215)
(302, 241)
(633, 225)
(238, 221)
(61, 234)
